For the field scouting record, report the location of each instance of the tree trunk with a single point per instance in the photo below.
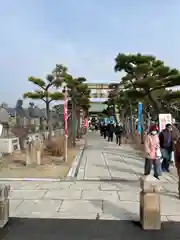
(48, 119)
(78, 133)
(155, 103)
(113, 113)
(70, 132)
(131, 118)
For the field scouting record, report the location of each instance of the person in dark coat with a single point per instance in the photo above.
(110, 131)
(166, 145)
(101, 128)
(104, 129)
(118, 132)
(177, 162)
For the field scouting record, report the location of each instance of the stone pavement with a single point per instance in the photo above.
(107, 187)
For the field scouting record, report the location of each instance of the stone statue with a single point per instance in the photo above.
(20, 113)
(19, 130)
(31, 110)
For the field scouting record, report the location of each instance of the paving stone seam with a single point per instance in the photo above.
(81, 195)
(102, 206)
(60, 205)
(45, 193)
(106, 164)
(18, 204)
(85, 167)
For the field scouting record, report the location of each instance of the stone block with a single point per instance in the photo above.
(173, 218)
(63, 194)
(119, 209)
(129, 196)
(54, 185)
(170, 206)
(4, 212)
(150, 216)
(14, 204)
(111, 186)
(148, 184)
(37, 208)
(100, 195)
(4, 192)
(27, 194)
(81, 207)
(86, 186)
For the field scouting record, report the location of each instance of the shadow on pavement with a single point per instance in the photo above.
(57, 229)
(113, 179)
(117, 168)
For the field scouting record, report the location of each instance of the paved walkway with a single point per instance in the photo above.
(106, 188)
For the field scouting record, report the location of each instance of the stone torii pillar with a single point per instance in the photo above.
(150, 215)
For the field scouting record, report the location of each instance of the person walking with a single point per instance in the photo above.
(110, 131)
(151, 144)
(166, 145)
(118, 133)
(101, 128)
(104, 130)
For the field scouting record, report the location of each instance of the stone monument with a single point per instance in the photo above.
(20, 113)
(34, 150)
(20, 131)
(150, 215)
(38, 149)
(8, 143)
(4, 204)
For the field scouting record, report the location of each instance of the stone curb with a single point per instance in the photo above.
(30, 179)
(76, 164)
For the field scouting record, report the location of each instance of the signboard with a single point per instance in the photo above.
(139, 117)
(164, 119)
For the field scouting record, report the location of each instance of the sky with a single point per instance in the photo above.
(85, 36)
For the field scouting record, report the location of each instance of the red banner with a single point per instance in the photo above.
(65, 118)
(86, 123)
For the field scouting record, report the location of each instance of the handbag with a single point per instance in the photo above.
(158, 153)
(164, 153)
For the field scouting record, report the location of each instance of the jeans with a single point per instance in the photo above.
(166, 154)
(148, 166)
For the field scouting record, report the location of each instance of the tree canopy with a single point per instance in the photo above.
(44, 91)
(146, 79)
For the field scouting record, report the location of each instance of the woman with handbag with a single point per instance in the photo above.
(152, 152)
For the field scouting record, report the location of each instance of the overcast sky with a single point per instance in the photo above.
(83, 35)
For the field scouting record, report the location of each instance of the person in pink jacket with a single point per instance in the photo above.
(151, 145)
